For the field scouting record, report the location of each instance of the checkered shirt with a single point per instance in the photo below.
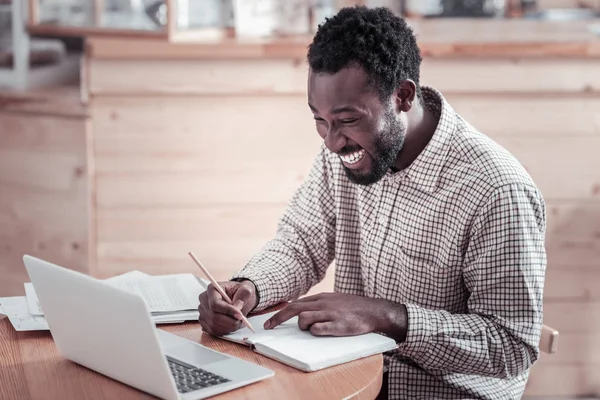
(458, 237)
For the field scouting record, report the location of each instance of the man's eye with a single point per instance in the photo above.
(319, 119)
(349, 120)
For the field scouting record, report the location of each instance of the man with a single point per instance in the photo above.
(436, 231)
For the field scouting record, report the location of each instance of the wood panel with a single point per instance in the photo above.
(505, 75)
(286, 76)
(209, 76)
(574, 177)
(573, 236)
(575, 349)
(162, 225)
(521, 115)
(572, 284)
(230, 117)
(43, 194)
(564, 168)
(573, 316)
(560, 381)
(190, 190)
(242, 152)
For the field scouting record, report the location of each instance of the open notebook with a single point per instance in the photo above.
(288, 344)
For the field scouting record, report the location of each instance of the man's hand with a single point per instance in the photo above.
(217, 317)
(336, 314)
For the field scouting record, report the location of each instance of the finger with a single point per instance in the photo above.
(211, 318)
(323, 329)
(218, 305)
(307, 318)
(216, 329)
(242, 296)
(225, 321)
(306, 299)
(288, 312)
(217, 324)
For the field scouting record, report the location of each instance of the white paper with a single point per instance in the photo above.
(165, 293)
(245, 335)
(127, 275)
(33, 302)
(17, 311)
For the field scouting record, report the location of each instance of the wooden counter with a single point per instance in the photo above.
(64, 101)
(436, 38)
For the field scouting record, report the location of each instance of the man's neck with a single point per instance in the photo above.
(422, 124)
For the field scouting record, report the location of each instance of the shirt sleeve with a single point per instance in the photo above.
(298, 256)
(504, 270)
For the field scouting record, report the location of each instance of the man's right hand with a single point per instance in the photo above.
(217, 317)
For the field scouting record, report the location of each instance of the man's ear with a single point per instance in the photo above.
(405, 95)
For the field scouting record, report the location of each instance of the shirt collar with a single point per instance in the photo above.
(426, 168)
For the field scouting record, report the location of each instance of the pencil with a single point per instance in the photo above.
(219, 289)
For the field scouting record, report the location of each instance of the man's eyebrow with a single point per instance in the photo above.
(338, 110)
(346, 108)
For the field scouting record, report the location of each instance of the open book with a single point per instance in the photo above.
(288, 344)
(170, 298)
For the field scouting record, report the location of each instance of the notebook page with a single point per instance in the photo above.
(315, 352)
(17, 311)
(164, 293)
(245, 335)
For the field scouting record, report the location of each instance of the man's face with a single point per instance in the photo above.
(353, 122)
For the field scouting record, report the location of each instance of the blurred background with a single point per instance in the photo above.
(134, 131)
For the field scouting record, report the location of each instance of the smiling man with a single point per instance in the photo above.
(436, 231)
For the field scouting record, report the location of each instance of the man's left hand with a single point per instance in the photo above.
(336, 314)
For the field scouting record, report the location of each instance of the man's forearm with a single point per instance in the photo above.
(489, 347)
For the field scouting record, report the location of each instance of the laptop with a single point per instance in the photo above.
(110, 331)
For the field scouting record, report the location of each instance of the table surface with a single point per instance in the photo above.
(32, 368)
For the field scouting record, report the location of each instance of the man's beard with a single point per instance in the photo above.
(388, 144)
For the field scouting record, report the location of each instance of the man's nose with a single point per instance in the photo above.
(335, 140)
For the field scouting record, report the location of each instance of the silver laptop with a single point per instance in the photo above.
(110, 331)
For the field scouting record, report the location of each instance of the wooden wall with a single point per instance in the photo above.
(44, 186)
(206, 174)
(205, 157)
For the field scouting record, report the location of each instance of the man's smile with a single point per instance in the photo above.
(353, 158)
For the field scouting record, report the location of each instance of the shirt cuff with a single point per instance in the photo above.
(419, 330)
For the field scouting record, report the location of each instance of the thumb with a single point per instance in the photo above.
(242, 296)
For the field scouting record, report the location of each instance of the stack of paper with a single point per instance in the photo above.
(170, 299)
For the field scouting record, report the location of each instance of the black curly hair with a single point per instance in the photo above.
(374, 38)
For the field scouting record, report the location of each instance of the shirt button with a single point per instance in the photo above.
(382, 219)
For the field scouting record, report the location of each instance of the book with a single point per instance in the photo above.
(170, 298)
(290, 345)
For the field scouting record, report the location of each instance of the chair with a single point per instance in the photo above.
(549, 340)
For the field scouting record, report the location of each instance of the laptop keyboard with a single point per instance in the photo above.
(189, 378)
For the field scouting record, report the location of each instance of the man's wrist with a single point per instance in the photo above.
(394, 321)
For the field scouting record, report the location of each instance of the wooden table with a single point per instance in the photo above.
(32, 368)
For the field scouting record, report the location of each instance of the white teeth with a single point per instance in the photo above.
(353, 158)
